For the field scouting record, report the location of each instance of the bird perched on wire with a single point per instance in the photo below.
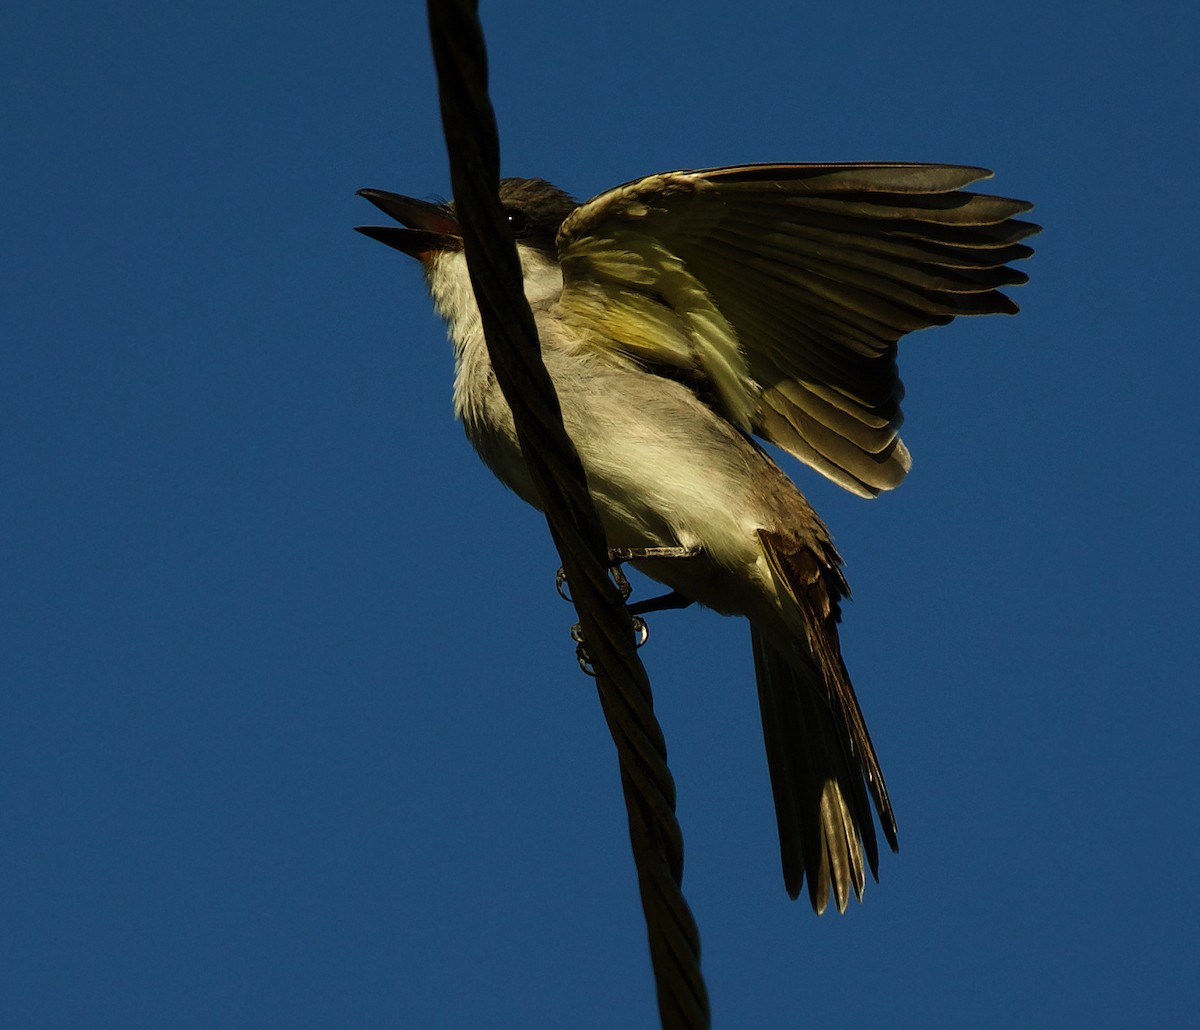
(680, 316)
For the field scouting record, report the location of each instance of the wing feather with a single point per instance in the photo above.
(782, 291)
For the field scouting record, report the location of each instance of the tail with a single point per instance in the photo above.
(820, 757)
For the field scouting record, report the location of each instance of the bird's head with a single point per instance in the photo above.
(431, 232)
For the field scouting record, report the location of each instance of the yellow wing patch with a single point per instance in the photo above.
(631, 295)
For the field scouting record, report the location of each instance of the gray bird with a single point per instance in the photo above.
(685, 313)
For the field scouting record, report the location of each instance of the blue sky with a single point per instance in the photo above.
(292, 729)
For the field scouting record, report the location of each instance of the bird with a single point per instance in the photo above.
(688, 317)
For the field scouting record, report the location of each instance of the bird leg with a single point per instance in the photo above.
(662, 603)
(619, 555)
(665, 602)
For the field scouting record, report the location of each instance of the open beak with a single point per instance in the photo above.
(429, 229)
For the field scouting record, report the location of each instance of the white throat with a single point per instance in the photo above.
(450, 284)
(454, 298)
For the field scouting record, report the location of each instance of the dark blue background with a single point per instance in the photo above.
(292, 729)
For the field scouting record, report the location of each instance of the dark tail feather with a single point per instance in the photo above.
(819, 754)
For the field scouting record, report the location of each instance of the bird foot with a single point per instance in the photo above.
(665, 602)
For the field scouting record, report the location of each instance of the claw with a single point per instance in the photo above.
(641, 631)
(581, 655)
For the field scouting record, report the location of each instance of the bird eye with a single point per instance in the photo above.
(517, 222)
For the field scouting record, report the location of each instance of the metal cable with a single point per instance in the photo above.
(474, 149)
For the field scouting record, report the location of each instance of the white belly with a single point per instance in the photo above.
(663, 470)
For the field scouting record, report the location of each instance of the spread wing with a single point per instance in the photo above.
(779, 291)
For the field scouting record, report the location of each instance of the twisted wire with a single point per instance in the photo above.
(624, 689)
